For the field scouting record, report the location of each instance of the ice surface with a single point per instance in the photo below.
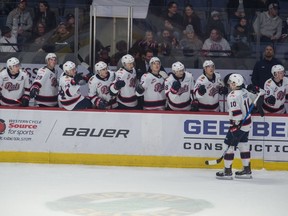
(66, 190)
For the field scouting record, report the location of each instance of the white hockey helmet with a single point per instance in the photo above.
(208, 63)
(237, 79)
(126, 59)
(277, 68)
(177, 66)
(154, 59)
(50, 55)
(12, 62)
(100, 66)
(68, 66)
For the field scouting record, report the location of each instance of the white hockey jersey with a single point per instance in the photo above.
(13, 87)
(238, 102)
(46, 80)
(279, 92)
(99, 88)
(182, 99)
(210, 100)
(154, 94)
(127, 94)
(69, 95)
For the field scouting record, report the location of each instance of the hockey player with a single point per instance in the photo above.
(151, 87)
(45, 85)
(124, 84)
(276, 89)
(179, 88)
(208, 87)
(14, 85)
(69, 89)
(238, 101)
(99, 87)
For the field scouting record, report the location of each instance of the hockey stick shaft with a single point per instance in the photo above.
(217, 161)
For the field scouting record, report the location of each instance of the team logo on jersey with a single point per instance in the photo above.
(2, 126)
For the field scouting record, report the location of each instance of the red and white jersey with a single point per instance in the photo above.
(279, 92)
(69, 95)
(46, 80)
(99, 88)
(210, 100)
(154, 94)
(13, 87)
(127, 94)
(238, 102)
(182, 99)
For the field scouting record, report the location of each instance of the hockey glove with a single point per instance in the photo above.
(271, 100)
(286, 97)
(176, 85)
(202, 90)
(195, 105)
(88, 76)
(119, 84)
(223, 90)
(259, 105)
(34, 91)
(235, 126)
(140, 89)
(101, 103)
(253, 88)
(77, 78)
(24, 101)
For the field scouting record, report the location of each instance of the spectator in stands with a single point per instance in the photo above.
(151, 87)
(216, 45)
(190, 44)
(45, 15)
(214, 22)
(20, 21)
(104, 55)
(237, 9)
(8, 41)
(262, 69)
(191, 18)
(70, 22)
(39, 38)
(172, 20)
(268, 25)
(148, 42)
(284, 36)
(121, 46)
(167, 43)
(276, 89)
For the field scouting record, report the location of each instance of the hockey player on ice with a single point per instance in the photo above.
(69, 89)
(238, 101)
(208, 87)
(151, 87)
(276, 89)
(14, 85)
(45, 85)
(99, 85)
(179, 88)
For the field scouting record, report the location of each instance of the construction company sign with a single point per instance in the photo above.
(136, 133)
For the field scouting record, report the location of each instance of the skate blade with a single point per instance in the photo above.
(224, 177)
(243, 176)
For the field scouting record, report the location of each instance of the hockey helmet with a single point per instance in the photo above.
(154, 59)
(177, 66)
(100, 66)
(12, 62)
(237, 79)
(126, 59)
(68, 66)
(50, 55)
(277, 68)
(208, 63)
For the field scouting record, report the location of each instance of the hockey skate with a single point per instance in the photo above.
(245, 173)
(226, 174)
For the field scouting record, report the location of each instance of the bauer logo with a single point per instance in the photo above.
(94, 132)
(2, 126)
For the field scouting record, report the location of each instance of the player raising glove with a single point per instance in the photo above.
(223, 90)
(139, 89)
(253, 88)
(119, 84)
(77, 78)
(202, 89)
(271, 100)
(176, 85)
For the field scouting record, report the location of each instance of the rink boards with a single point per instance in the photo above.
(139, 138)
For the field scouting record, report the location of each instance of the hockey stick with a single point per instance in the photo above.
(217, 161)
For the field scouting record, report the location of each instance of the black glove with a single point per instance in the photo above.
(271, 100)
(34, 91)
(77, 78)
(253, 88)
(259, 105)
(223, 90)
(176, 85)
(234, 126)
(195, 105)
(119, 84)
(286, 97)
(88, 76)
(140, 89)
(101, 103)
(202, 90)
(24, 101)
